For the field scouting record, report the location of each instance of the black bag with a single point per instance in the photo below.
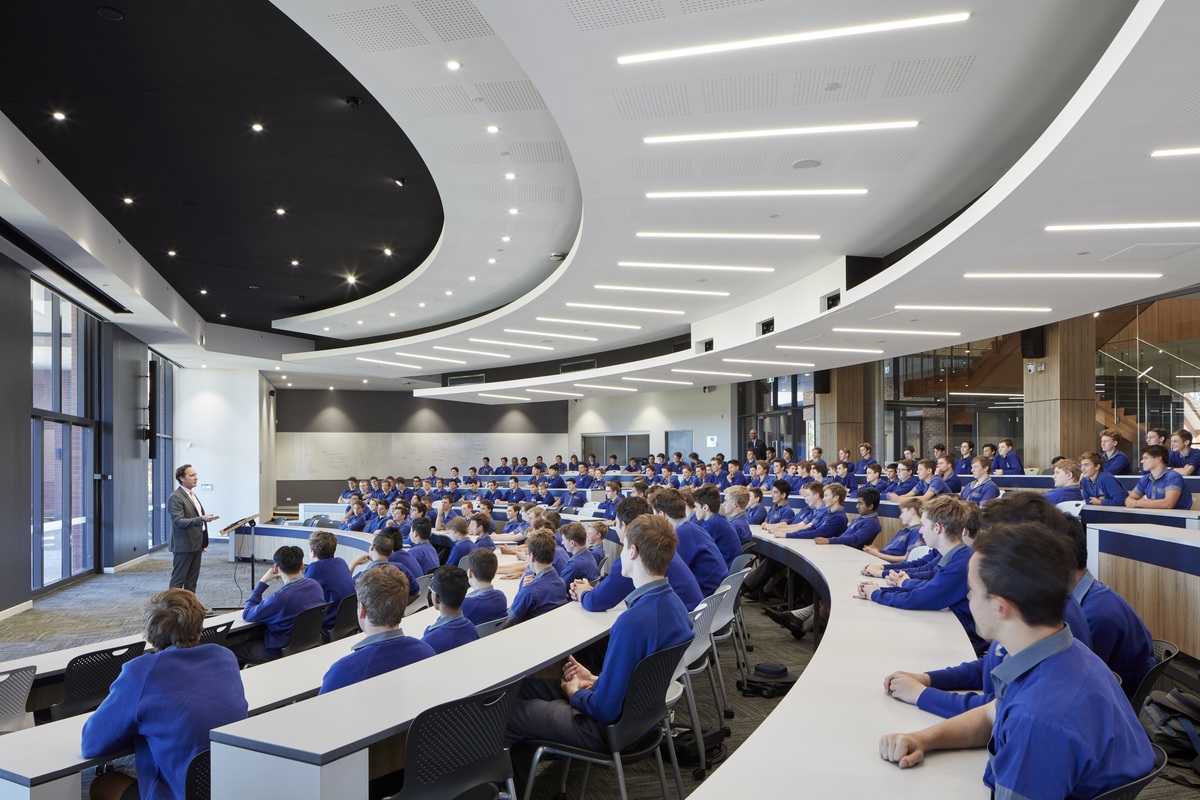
(767, 680)
(1172, 720)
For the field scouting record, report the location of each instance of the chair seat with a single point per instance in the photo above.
(674, 692)
(635, 752)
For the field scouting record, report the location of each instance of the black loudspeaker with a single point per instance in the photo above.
(1033, 343)
(821, 381)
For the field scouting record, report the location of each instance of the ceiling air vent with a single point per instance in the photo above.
(466, 380)
(577, 366)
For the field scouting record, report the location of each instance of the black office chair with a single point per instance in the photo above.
(456, 750)
(197, 785)
(644, 709)
(88, 679)
(345, 623)
(217, 634)
(306, 630)
(1132, 789)
(1164, 651)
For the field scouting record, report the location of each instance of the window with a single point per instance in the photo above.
(161, 402)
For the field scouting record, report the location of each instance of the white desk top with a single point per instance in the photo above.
(1158, 532)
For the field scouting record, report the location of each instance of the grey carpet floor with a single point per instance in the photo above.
(106, 606)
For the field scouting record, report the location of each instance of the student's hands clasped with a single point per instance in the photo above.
(906, 686)
(579, 588)
(863, 592)
(873, 570)
(575, 677)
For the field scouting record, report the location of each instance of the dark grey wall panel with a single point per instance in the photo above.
(290, 493)
(123, 453)
(380, 412)
(16, 323)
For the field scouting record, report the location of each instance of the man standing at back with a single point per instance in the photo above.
(189, 529)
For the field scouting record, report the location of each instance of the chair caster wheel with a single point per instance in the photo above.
(698, 774)
(729, 714)
(728, 732)
(560, 796)
(749, 648)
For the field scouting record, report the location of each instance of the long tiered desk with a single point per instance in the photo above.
(822, 740)
(44, 763)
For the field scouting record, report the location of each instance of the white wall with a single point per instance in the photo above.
(711, 413)
(218, 416)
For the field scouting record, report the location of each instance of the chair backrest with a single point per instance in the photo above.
(88, 678)
(1132, 789)
(741, 562)
(217, 634)
(918, 552)
(345, 622)
(198, 783)
(1071, 507)
(459, 745)
(702, 625)
(488, 628)
(645, 703)
(308, 523)
(1032, 471)
(1164, 651)
(326, 523)
(306, 630)
(605, 567)
(14, 695)
(733, 583)
(422, 599)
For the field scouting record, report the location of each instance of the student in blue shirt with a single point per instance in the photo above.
(486, 469)
(696, 548)
(612, 497)
(811, 494)
(865, 459)
(424, 552)
(597, 533)
(865, 527)
(523, 468)
(383, 551)
(397, 522)
(945, 471)
(165, 702)
(1184, 459)
(929, 483)
(504, 468)
(515, 493)
(383, 594)
(457, 531)
(330, 571)
(875, 480)
(451, 629)
(351, 488)
(1066, 483)
(1097, 487)
(555, 481)
(581, 564)
(1006, 461)
(576, 709)
(829, 520)
(815, 456)
(483, 603)
(983, 488)
(944, 522)
(715, 524)
(1060, 726)
(906, 481)
(843, 476)
(756, 512)
(908, 537)
(1114, 462)
(962, 466)
(1159, 486)
(356, 517)
(546, 591)
(737, 498)
(479, 528)
(571, 498)
(278, 611)
(780, 512)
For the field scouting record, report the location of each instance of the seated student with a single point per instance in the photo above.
(844, 476)
(469, 493)
(737, 499)
(421, 549)
(383, 594)
(780, 513)
(988, 451)
(402, 491)
(356, 518)
(575, 710)
(546, 591)
(329, 571)
(906, 481)
(715, 524)
(457, 531)
(829, 520)
(390, 493)
(555, 481)
(523, 468)
(962, 466)
(814, 456)
(844, 455)
(788, 454)
(944, 521)
(483, 603)
(279, 609)
(504, 468)
(581, 564)
(486, 469)
(891, 475)
(909, 453)
(1114, 462)
(613, 465)
(865, 527)
(583, 480)
(908, 537)
(983, 488)
(479, 528)
(612, 498)
(796, 475)
(696, 548)
(820, 474)
(875, 480)
(515, 493)
(376, 488)
(1097, 487)
(1006, 461)
(571, 498)
(756, 512)
(945, 471)
(164, 703)
(397, 523)
(616, 587)
(445, 513)
(513, 526)
(1184, 459)
(383, 551)
(813, 514)
(929, 483)
(351, 487)
(1061, 727)
(865, 459)
(451, 629)
(597, 533)
(733, 474)
(542, 495)
(1066, 483)
(1159, 486)
(666, 476)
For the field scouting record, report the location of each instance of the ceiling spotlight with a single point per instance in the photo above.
(452, 65)
(471, 278)
(351, 279)
(360, 322)
(325, 329)
(128, 201)
(284, 377)
(510, 175)
(278, 368)
(420, 305)
(222, 316)
(398, 181)
(511, 210)
(492, 129)
(506, 238)
(387, 251)
(391, 313)
(204, 291)
(364, 380)
(295, 263)
(289, 386)
(449, 293)
(170, 252)
(278, 211)
(256, 127)
(491, 261)
(60, 116)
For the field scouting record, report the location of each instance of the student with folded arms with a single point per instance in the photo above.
(451, 629)
(983, 488)
(1159, 486)
(483, 602)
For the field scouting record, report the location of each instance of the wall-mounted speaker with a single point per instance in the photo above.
(1033, 343)
(821, 382)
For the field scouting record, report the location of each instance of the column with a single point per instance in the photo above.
(840, 413)
(1060, 394)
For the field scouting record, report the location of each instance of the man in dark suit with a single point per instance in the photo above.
(757, 445)
(189, 529)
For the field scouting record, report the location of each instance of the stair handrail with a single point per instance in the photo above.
(1166, 353)
(1143, 375)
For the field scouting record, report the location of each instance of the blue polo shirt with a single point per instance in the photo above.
(375, 655)
(1106, 487)
(581, 565)
(334, 576)
(859, 533)
(426, 556)
(460, 550)
(616, 587)
(903, 487)
(741, 526)
(1156, 488)
(963, 465)
(1009, 463)
(544, 593)
(1117, 464)
(979, 492)
(449, 631)
(1119, 636)
(936, 483)
(725, 537)
(756, 515)
(1064, 494)
(904, 541)
(484, 605)
(1063, 727)
(861, 465)
(1191, 459)
(783, 513)
(700, 553)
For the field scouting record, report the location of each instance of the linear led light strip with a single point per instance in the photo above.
(710, 267)
(687, 235)
(756, 193)
(794, 38)
(659, 380)
(598, 307)
(1009, 395)
(552, 391)
(767, 132)
(562, 321)
(609, 388)
(432, 358)
(700, 292)
(769, 363)
(974, 308)
(897, 331)
(506, 397)
(552, 335)
(1180, 151)
(1065, 275)
(826, 349)
(1122, 226)
(388, 363)
(470, 352)
(511, 344)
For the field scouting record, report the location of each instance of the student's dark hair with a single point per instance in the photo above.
(820, 469)
(383, 591)
(670, 502)
(482, 563)
(574, 532)
(912, 503)
(640, 486)
(877, 468)
(384, 544)
(757, 491)
(630, 508)
(1184, 434)
(289, 559)
(656, 541)
(323, 544)
(817, 450)
(939, 446)
(1025, 507)
(953, 514)
(1157, 451)
(173, 618)
(484, 521)
(181, 471)
(541, 546)
(554, 518)
(907, 463)
(458, 525)
(422, 527)
(869, 496)
(986, 445)
(708, 496)
(928, 463)
(450, 584)
(1019, 562)
(845, 464)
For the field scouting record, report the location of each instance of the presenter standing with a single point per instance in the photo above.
(189, 529)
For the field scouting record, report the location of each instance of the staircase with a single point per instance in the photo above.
(997, 368)
(1117, 393)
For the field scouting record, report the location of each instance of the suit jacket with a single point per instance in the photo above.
(189, 533)
(759, 447)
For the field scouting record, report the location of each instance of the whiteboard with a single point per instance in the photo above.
(335, 456)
